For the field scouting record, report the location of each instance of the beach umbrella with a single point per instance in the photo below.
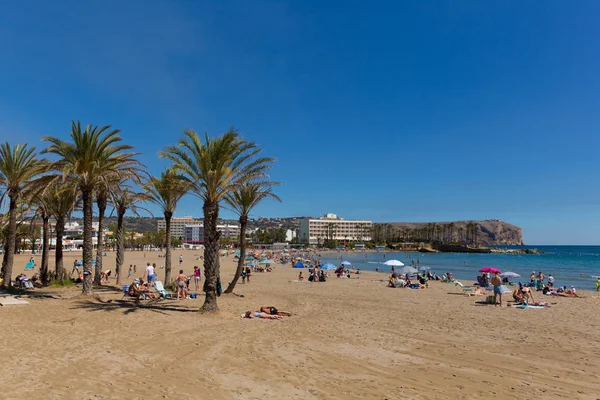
(407, 270)
(298, 265)
(490, 270)
(327, 266)
(394, 263)
(267, 262)
(423, 268)
(346, 263)
(510, 275)
(253, 264)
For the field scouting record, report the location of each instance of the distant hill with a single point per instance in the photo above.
(487, 232)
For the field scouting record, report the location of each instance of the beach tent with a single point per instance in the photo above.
(298, 265)
(327, 266)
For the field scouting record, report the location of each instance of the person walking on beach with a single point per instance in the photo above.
(75, 268)
(180, 261)
(150, 274)
(497, 282)
(130, 272)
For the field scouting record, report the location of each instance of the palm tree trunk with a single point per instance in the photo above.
(45, 250)
(88, 245)
(211, 256)
(58, 255)
(10, 242)
(240, 266)
(101, 201)
(168, 216)
(120, 245)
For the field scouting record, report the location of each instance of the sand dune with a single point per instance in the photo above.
(351, 338)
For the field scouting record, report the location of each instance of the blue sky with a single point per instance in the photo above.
(390, 111)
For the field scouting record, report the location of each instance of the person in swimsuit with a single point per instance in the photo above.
(197, 278)
(497, 282)
(273, 311)
(258, 314)
(181, 287)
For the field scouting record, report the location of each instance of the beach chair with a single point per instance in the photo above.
(158, 286)
(125, 289)
(464, 288)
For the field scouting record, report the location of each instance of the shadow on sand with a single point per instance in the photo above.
(130, 306)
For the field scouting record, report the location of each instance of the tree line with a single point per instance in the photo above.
(94, 168)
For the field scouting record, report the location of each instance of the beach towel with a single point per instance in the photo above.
(528, 306)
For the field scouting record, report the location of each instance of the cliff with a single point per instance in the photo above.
(486, 233)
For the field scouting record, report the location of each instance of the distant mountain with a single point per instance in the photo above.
(487, 232)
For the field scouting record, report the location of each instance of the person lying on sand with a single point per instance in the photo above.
(258, 314)
(273, 311)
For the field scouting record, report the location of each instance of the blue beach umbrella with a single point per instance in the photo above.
(298, 265)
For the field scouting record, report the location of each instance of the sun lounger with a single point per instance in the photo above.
(463, 287)
(158, 286)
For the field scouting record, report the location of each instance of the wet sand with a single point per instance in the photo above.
(347, 338)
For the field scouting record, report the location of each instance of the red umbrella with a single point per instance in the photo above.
(490, 269)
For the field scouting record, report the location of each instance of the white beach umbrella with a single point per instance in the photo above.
(394, 263)
(407, 270)
(510, 275)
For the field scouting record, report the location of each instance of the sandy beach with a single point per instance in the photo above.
(347, 338)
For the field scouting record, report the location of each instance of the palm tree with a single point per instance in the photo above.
(123, 200)
(101, 202)
(61, 201)
(215, 167)
(93, 157)
(19, 169)
(166, 192)
(41, 201)
(242, 200)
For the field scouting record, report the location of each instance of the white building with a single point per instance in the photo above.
(73, 235)
(315, 231)
(178, 225)
(194, 234)
(290, 234)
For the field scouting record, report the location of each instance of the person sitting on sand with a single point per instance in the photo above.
(258, 314)
(300, 277)
(523, 295)
(450, 277)
(273, 311)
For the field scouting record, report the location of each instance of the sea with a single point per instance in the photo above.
(577, 266)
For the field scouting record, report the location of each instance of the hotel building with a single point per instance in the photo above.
(315, 231)
(178, 225)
